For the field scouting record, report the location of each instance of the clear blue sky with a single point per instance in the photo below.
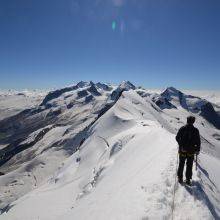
(154, 43)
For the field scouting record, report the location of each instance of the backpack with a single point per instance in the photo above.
(187, 139)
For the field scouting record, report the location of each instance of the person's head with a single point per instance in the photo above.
(191, 120)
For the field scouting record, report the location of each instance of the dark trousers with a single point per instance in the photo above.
(189, 164)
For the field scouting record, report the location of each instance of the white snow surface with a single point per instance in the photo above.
(12, 102)
(126, 169)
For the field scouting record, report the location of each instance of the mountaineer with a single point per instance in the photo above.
(188, 139)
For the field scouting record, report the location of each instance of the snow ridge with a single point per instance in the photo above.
(107, 153)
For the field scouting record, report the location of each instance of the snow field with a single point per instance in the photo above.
(126, 169)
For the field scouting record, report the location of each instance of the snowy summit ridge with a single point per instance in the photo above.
(98, 151)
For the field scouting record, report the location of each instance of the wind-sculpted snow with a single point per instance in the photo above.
(106, 152)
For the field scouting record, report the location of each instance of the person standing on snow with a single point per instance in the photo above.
(189, 142)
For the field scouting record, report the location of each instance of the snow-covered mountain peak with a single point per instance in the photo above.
(126, 85)
(104, 86)
(123, 86)
(82, 84)
(88, 90)
(170, 92)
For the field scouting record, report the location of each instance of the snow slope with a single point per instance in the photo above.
(38, 140)
(126, 166)
(12, 102)
(124, 170)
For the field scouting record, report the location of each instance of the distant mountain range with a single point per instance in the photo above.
(36, 141)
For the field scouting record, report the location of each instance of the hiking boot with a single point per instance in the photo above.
(180, 180)
(188, 182)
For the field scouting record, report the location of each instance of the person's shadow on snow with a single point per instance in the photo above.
(196, 190)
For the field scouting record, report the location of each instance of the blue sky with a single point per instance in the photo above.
(153, 43)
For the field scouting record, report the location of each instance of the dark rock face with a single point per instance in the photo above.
(105, 109)
(82, 93)
(163, 103)
(70, 105)
(116, 94)
(89, 98)
(82, 84)
(182, 100)
(143, 94)
(92, 89)
(54, 113)
(103, 86)
(209, 113)
(55, 94)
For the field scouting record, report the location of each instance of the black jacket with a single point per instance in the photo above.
(188, 139)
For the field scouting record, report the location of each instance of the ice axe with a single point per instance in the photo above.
(196, 161)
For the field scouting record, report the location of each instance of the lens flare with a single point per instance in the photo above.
(113, 25)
